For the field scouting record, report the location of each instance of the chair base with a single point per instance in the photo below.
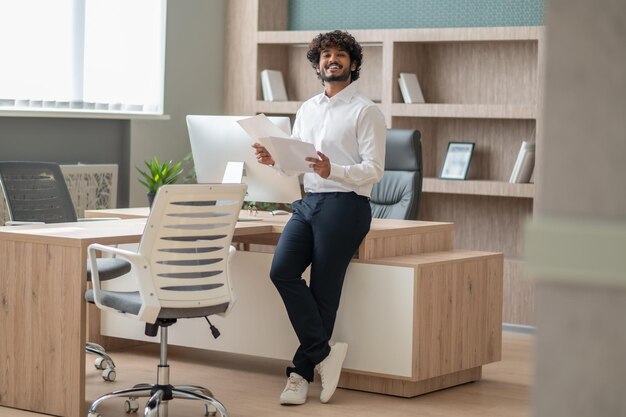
(103, 362)
(162, 392)
(159, 397)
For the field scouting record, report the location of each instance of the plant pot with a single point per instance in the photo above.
(150, 198)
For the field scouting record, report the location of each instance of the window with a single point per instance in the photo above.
(82, 55)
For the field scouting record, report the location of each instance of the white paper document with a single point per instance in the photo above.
(260, 126)
(288, 153)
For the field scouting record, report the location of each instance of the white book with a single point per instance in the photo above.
(273, 85)
(523, 168)
(410, 88)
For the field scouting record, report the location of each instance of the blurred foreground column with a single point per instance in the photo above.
(576, 245)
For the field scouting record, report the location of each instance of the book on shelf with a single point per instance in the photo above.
(273, 85)
(410, 88)
(524, 165)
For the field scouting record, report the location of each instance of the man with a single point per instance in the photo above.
(329, 223)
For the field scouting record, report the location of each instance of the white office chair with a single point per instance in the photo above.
(181, 270)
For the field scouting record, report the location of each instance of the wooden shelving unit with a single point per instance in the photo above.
(470, 187)
(470, 111)
(481, 85)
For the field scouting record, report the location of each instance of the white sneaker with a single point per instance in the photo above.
(296, 390)
(330, 370)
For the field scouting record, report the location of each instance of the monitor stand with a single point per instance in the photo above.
(233, 174)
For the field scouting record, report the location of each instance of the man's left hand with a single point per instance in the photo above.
(320, 166)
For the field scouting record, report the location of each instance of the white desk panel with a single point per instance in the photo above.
(375, 318)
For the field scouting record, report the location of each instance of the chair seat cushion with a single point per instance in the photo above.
(130, 302)
(109, 268)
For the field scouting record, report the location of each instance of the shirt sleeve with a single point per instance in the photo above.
(371, 137)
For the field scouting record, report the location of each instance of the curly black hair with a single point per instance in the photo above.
(340, 40)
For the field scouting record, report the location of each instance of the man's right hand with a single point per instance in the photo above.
(262, 155)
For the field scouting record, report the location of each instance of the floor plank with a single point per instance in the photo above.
(251, 386)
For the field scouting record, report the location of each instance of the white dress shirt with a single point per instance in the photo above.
(350, 130)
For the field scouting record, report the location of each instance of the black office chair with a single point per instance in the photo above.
(397, 195)
(36, 192)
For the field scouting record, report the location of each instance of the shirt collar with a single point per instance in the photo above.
(344, 95)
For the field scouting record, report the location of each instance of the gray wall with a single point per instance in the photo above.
(194, 79)
(68, 141)
(193, 84)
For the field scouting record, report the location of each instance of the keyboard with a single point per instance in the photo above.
(249, 219)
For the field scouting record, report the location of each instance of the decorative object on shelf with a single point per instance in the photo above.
(158, 174)
(410, 88)
(524, 165)
(273, 85)
(457, 161)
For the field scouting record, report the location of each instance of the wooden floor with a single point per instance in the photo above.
(250, 387)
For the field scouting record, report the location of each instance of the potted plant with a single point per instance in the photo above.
(158, 174)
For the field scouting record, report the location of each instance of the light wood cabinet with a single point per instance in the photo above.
(481, 85)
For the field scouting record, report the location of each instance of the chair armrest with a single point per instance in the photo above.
(131, 257)
(18, 223)
(231, 253)
(140, 272)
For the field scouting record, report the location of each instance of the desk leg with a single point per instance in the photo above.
(42, 324)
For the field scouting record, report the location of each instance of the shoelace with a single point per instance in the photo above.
(294, 383)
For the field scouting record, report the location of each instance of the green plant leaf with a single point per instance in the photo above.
(158, 174)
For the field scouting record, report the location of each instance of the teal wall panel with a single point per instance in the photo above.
(378, 14)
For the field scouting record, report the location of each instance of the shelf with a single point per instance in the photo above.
(470, 111)
(278, 107)
(303, 37)
(516, 33)
(478, 187)
(281, 107)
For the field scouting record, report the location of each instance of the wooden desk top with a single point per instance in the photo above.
(379, 227)
(77, 234)
(386, 237)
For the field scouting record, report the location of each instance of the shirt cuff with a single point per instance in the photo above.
(337, 172)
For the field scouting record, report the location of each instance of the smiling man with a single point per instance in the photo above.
(329, 223)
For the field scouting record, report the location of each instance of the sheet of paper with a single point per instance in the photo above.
(260, 126)
(289, 153)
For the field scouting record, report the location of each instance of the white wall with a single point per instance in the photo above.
(194, 78)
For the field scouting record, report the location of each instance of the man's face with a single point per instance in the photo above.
(335, 65)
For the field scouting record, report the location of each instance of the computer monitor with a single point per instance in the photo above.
(218, 140)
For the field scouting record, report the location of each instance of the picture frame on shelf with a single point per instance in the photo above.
(457, 161)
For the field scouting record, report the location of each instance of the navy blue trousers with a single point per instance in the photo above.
(325, 231)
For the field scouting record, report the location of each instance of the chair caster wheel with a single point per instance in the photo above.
(99, 363)
(210, 410)
(109, 375)
(131, 406)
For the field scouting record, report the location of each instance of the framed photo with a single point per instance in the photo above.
(457, 161)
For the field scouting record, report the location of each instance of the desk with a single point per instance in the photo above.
(417, 315)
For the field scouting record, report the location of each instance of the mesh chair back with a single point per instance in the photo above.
(187, 241)
(36, 192)
(397, 195)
